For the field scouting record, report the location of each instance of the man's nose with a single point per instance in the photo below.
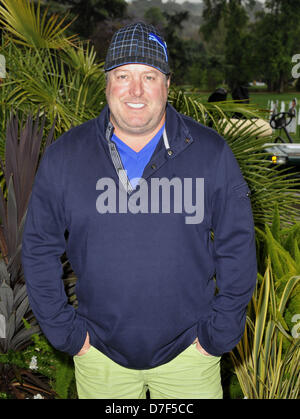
(136, 87)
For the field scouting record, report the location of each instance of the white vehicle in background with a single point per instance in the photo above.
(284, 152)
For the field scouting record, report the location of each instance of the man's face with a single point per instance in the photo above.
(137, 96)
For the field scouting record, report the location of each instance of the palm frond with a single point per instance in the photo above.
(28, 27)
(68, 87)
(269, 185)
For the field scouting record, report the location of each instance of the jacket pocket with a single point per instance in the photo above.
(241, 208)
(242, 190)
(242, 194)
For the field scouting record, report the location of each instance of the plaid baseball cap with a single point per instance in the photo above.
(138, 43)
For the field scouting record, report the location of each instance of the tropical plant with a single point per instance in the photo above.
(55, 365)
(269, 186)
(38, 371)
(23, 20)
(67, 86)
(265, 369)
(282, 246)
(24, 146)
(47, 74)
(50, 371)
(267, 359)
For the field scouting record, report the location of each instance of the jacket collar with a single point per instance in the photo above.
(178, 135)
(177, 131)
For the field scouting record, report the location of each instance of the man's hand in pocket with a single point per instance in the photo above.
(86, 346)
(200, 349)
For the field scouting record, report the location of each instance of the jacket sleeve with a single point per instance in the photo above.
(43, 244)
(234, 254)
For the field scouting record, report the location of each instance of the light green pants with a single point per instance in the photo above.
(191, 375)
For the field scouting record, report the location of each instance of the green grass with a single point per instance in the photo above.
(261, 100)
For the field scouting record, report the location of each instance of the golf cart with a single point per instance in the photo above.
(283, 151)
(238, 121)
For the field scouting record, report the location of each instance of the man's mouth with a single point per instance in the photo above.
(135, 105)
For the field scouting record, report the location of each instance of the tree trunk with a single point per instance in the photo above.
(281, 83)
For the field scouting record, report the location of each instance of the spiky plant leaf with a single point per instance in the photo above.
(22, 153)
(6, 299)
(297, 254)
(22, 338)
(265, 367)
(4, 275)
(24, 22)
(12, 218)
(23, 149)
(275, 228)
(20, 293)
(56, 85)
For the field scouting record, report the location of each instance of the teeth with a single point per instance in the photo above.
(135, 105)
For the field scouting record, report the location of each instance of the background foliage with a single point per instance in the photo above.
(55, 80)
(212, 42)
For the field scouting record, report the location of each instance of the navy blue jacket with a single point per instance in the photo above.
(148, 283)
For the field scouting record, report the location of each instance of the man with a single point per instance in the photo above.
(139, 189)
(292, 113)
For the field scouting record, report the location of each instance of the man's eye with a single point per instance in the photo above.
(149, 78)
(122, 76)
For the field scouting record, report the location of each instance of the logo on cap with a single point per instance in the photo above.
(153, 37)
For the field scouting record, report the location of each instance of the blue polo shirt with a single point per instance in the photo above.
(135, 162)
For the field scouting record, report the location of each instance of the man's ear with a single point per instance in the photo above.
(169, 81)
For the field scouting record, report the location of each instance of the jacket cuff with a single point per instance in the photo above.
(76, 337)
(205, 341)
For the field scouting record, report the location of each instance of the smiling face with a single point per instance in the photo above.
(136, 95)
